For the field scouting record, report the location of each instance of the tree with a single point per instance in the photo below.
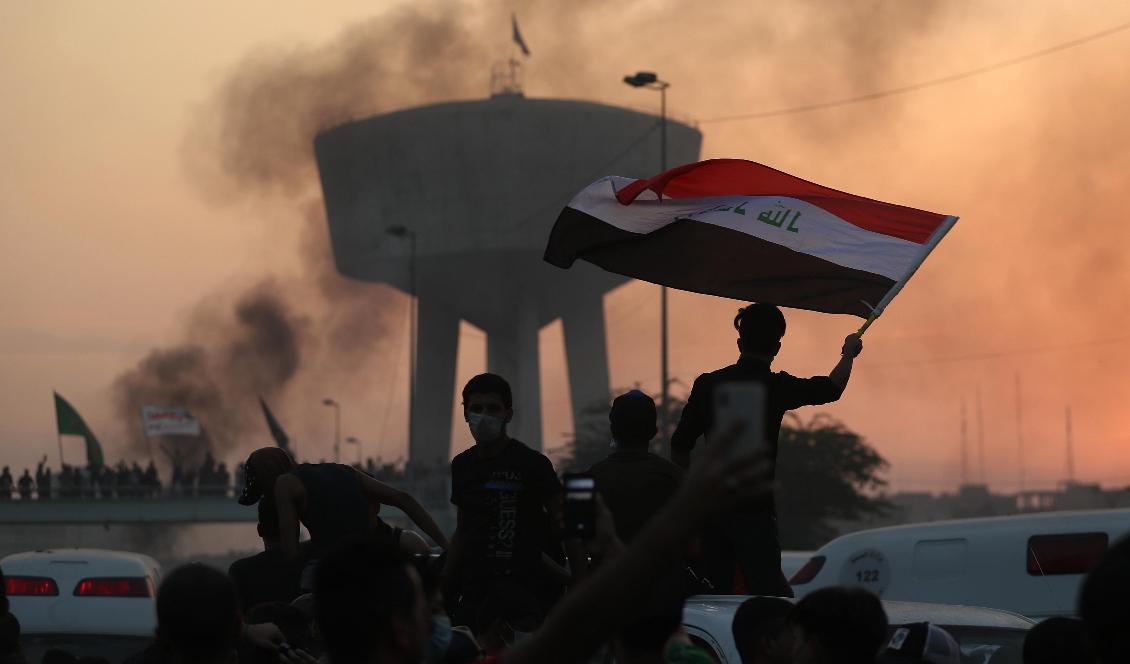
(825, 472)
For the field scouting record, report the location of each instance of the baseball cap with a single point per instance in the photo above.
(260, 471)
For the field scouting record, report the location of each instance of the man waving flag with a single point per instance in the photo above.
(742, 230)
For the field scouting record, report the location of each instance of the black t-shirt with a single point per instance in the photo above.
(784, 393)
(635, 484)
(336, 507)
(502, 505)
(266, 577)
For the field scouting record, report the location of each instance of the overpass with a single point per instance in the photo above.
(173, 508)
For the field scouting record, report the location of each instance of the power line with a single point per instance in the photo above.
(914, 87)
(1036, 350)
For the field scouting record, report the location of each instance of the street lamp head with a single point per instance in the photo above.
(329, 402)
(399, 230)
(641, 78)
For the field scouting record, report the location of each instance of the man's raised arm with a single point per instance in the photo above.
(841, 373)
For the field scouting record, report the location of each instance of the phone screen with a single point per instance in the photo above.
(580, 505)
(741, 402)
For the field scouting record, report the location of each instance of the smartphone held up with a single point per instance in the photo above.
(580, 505)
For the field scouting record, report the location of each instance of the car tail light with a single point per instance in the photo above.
(114, 587)
(1075, 553)
(41, 586)
(809, 571)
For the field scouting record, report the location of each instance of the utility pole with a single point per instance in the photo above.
(1019, 432)
(980, 437)
(1070, 451)
(964, 447)
(648, 79)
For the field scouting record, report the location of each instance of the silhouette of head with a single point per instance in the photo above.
(632, 419)
(838, 625)
(1103, 606)
(760, 633)
(1057, 639)
(261, 469)
(197, 613)
(9, 634)
(488, 406)
(760, 329)
(368, 602)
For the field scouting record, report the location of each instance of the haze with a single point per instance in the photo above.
(146, 182)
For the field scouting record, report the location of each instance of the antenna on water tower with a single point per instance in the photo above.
(506, 78)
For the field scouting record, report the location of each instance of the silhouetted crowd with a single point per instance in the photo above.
(132, 481)
(123, 481)
(529, 577)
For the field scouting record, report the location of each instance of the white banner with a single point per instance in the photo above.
(163, 421)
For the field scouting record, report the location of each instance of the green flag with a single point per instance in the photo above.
(70, 423)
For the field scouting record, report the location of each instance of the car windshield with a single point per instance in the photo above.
(115, 649)
(985, 645)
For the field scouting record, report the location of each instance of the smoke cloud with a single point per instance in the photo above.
(1001, 150)
(233, 355)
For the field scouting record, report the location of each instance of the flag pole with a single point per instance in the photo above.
(58, 434)
(935, 238)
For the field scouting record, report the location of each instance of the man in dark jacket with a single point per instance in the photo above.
(747, 537)
(633, 482)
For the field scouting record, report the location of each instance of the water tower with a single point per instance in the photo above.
(454, 202)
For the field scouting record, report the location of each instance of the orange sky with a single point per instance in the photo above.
(108, 242)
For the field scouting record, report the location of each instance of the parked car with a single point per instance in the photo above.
(1032, 564)
(85, 601)
(981, 632)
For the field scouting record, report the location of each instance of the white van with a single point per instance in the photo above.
(1032, 564)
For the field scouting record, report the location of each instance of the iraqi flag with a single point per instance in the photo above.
(742, 230)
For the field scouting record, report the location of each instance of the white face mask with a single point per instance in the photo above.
(484, 428)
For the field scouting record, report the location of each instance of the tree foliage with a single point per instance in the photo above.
(825, 471)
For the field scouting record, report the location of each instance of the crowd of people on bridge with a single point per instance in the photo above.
(132, 481)
(512, 584)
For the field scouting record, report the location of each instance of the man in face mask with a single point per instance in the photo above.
(508, 499)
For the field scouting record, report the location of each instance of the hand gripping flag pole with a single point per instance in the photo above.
(877, 311)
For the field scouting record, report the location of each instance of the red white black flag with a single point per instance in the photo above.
(742, 230)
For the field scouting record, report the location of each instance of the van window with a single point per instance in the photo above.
(1069, 553)
(940, 559)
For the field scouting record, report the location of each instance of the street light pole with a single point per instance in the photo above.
(646, 79)
(337, 427)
